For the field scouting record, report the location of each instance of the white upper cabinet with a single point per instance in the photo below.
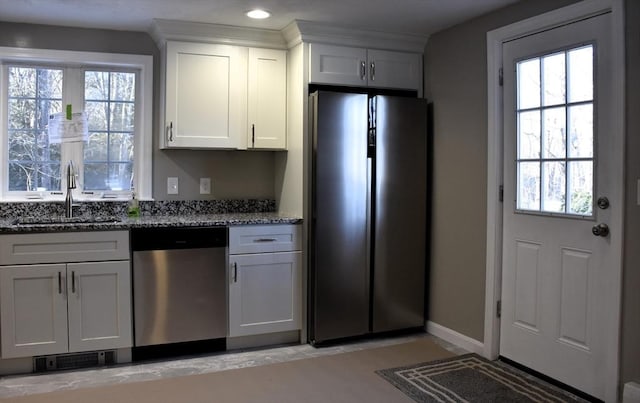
(267, 104)
(205, 95)
(394, 69)
(341, 65)
(337, 65)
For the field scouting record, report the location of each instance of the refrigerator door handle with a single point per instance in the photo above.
(369, 230)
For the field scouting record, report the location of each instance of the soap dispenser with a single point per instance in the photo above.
(134, 207)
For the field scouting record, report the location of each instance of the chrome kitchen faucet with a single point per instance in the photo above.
(71, 184)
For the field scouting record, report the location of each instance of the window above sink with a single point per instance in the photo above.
(114, 91)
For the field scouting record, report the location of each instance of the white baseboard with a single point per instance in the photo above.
(455, 338)
(631, 393)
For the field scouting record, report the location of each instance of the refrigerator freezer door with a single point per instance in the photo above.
(339, 251)
(400, 213)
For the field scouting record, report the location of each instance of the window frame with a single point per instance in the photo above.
(79, 61)
(566, 159)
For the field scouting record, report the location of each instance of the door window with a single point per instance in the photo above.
(555, 133)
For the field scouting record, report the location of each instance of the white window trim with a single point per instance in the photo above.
(142, 142)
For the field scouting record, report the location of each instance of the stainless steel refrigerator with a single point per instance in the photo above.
(368, 214)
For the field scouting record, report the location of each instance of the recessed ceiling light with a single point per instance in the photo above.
(258, 14)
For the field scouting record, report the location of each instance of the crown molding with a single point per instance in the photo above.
(296, 32)
(164, 30)
(306, 31)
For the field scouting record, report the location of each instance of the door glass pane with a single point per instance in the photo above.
(529, 185)
(580, 62)
(555, 133)
(529, 134)
(581, 187)
(553, 68)
(581, 131)
(553, 177)
(529, 84)
(554, 139)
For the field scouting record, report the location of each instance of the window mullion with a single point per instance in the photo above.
(73, 95)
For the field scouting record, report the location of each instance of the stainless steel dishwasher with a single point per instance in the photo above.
(179, 284)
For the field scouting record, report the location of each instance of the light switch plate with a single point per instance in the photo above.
(172, 185)
(205, 186)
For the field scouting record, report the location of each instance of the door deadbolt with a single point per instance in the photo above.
(600, 230)
(603, 203)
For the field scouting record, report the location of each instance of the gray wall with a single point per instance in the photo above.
(456, 84)
(631, 280)
(234, 174)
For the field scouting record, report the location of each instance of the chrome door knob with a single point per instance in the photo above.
(600, 230)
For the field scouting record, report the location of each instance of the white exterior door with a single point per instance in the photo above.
(558, 299)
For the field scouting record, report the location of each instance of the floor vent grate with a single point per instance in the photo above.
(73, 361)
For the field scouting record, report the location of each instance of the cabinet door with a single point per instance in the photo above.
(99, 305)
(339, 65)
(33, 310)
(205, 100)
(267, 104)
(394, 69)
(264, 294)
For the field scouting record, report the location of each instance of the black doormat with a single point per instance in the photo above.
(472, 378)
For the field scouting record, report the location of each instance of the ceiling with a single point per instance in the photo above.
(417, 17)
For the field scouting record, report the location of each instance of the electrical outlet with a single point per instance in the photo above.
(172, 185)
(205, 186)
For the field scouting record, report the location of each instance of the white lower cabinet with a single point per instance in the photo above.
(264, 294)
(264, 287)
(99, 305)
(61, 307)
(34, 310)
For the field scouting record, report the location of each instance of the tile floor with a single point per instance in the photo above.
(16, 385)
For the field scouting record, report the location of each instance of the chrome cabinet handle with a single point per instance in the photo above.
(235, 272)
(253, 136)
(363, 70)
(59, 282)
(372, 71)
(265, 240)
(73, 282)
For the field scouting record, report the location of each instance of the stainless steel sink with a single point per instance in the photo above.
(65, 220)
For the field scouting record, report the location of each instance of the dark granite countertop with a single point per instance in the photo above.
(9, 226)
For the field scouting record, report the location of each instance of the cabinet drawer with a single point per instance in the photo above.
(264, 238)
(64, 247)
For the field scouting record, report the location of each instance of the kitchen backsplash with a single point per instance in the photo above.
(119, 209)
